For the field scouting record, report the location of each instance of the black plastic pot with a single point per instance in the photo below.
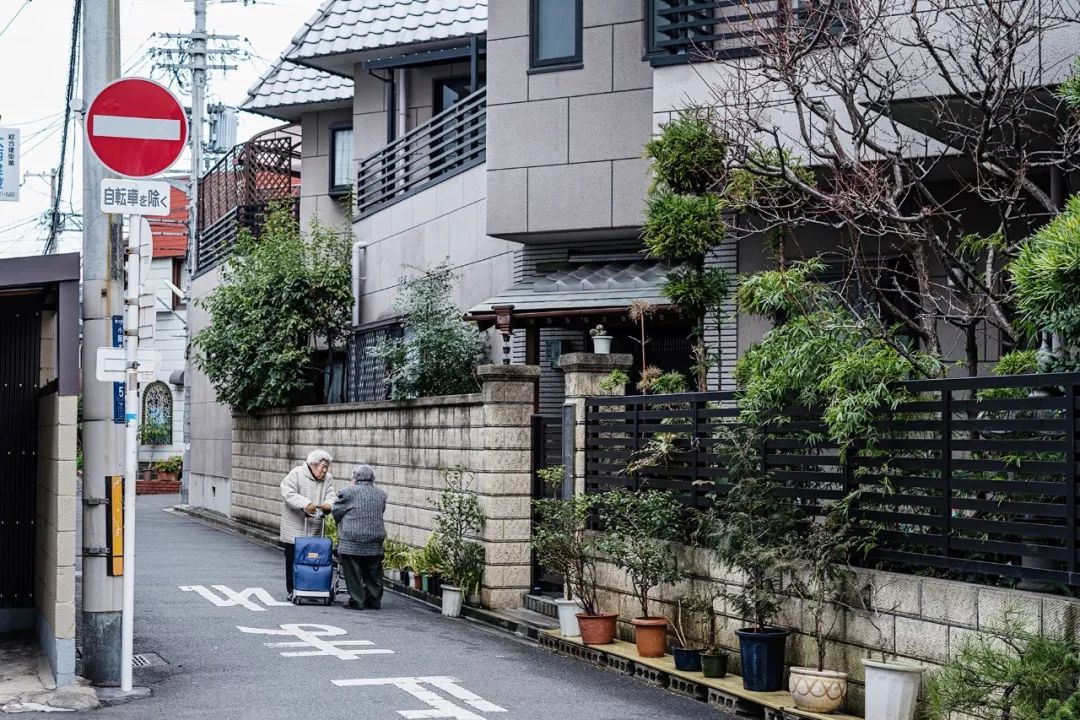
(762, 653)
(714, 666)
(435, 585)
(687, 660)
(405, 578)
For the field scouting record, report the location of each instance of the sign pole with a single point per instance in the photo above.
(131, 459)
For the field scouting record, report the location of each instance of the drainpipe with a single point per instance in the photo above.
(402, 101)
(359, 252)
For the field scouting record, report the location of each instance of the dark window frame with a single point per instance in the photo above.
(178, 281)
(339, 190)
(568, 62)
(438, 82)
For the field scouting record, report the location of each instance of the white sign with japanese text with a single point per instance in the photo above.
(135, 197)
(9, 165)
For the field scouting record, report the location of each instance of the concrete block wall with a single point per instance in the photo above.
(408, 444)
(54, 562)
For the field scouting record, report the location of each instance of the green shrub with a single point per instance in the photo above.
(678, 227)
(1046, 275)
(153, 432)
(172, 464)
(781, 294)
(458, 519)
(698, 293)
(280, 294)
(639, 528)
(1011, 675)
(440, 351)
(687, 153)
(564, 545)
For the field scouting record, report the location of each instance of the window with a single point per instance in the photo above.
(177, 281)
(555, 34)
(340, 159)
(157, 423)
(450, 91)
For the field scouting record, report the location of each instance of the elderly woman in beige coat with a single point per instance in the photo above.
(305, 491)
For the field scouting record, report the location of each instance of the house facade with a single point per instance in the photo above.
(505, 138)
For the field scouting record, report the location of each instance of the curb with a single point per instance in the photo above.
(492, 618)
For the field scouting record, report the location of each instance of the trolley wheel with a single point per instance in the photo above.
(328, 602)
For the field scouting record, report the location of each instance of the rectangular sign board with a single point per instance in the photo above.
(119, 396)
(9, 165)
(135, 197)
(112, 364)
(114, 487)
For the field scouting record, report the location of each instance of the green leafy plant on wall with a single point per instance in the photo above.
(281, 293)
(819, 355)
(440, 351)
(614, 380)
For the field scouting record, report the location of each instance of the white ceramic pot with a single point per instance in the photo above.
(891, 690)
(568, 610)
(394, 575)
(821, 691)
(602, 344)
(451, 601)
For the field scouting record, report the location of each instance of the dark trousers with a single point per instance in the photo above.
(364, 579)
(290, 553)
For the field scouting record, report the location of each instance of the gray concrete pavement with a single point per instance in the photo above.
(215, 670)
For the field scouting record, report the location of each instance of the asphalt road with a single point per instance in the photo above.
(214, 670)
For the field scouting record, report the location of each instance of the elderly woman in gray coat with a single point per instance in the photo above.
(306, 490)
(358, 512)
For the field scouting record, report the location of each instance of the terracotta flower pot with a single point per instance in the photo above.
(597, 629)
(650, 636)
(821, 691)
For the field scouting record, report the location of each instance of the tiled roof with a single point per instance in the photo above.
(588, 285)
(342, 26)
(285, 84)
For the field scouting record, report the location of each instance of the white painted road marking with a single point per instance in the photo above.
(232, 598)
(311, 636)
(135, 128)
(441, 707)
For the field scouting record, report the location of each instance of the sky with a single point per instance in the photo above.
(34, 50)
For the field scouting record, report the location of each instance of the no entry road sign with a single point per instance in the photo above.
(136, 127)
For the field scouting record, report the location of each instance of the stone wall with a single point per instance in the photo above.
(407, 444)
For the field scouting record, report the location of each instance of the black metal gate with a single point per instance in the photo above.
(20, 348)
(546, 452)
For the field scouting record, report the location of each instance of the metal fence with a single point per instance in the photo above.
(237, 192)
(449, 143)
(973, 476)
(365, 379)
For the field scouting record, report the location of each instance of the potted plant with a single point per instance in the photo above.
(753, 539)
(822, 582)
(472, 572)
(638, 529)
(691, 626)
(168, 469)
(458, 517)
(601, 340)
(562, 545)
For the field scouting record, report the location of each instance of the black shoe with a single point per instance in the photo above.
(352, 605)
(371, 606)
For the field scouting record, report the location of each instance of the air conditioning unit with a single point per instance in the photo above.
(223, 121)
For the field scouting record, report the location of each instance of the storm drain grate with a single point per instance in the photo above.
(142, 660)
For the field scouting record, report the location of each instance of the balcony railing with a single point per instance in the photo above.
(239, 189)
(450, 143)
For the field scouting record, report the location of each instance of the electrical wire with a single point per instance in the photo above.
(54, 218)
(13, 17)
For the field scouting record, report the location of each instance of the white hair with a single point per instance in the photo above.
(317, 456)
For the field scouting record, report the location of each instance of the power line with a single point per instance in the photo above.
(54, 219)
(13, 17)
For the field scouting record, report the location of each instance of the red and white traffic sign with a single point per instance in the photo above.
(136, 127)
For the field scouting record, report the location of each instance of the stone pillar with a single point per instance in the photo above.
(582, 373)
(504, 482)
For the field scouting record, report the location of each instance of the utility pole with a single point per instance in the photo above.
(103, 276)
(55, 224)
(198, 86)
